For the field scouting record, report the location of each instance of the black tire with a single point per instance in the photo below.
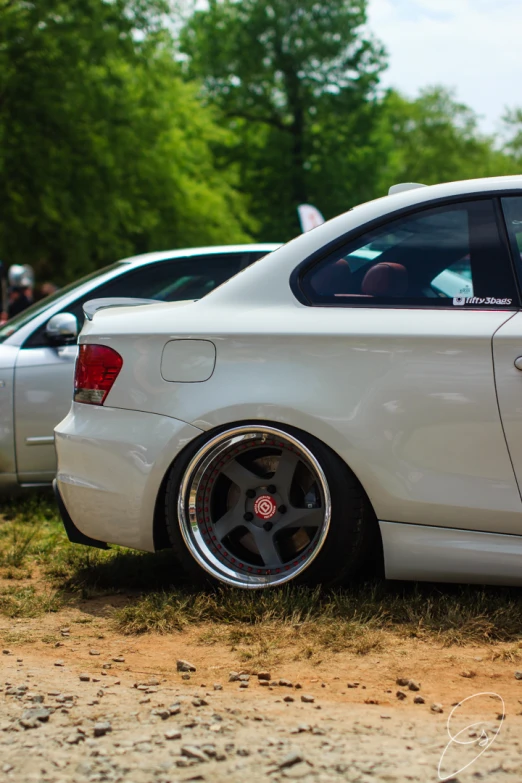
(351, 548)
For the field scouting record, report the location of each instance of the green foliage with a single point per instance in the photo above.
(513, 132)
(434, 139)
(113, 141)
(295, 79)
(104, 151)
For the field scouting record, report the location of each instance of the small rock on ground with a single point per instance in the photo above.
(185, 666)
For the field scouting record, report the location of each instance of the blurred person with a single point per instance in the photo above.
(46, 289)
(20, 292)
(18, 301)
(4, 296)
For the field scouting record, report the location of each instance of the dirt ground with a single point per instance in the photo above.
(80, 702)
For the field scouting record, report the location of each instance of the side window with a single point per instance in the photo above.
(170, 281)
(166, 281)
(447, 256)
(512, 206)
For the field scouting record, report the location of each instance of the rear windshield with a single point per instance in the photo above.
(16, 323)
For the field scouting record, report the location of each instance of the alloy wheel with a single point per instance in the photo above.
(254, 507)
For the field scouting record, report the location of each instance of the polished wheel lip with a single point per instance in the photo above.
(187, 507)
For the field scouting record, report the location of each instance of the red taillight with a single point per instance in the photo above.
(97, 367)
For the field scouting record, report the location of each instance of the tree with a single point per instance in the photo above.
(104, 150)
(512, 122)
(432, 139)
(295, 79)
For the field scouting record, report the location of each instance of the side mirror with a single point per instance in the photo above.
(62, 328)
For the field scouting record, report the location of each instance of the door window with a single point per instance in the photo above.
(448, 256)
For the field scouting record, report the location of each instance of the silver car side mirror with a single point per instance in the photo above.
(62, 328)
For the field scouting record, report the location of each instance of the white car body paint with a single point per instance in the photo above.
(113, 484)
(424, 553)
(407, 398)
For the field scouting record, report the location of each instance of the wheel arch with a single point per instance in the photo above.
(160, 534)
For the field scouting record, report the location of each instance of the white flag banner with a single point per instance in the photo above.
(309, 217)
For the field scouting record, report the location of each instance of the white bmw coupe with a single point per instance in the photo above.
(355, 395)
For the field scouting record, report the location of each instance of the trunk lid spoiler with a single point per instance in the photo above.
(91, 307)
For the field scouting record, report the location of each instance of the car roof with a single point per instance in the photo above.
(268, 281)
(164, 255)
(464, 187)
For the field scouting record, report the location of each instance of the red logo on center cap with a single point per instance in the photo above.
(265, 507)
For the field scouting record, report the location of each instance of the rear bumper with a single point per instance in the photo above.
(75, 536)
(111, 465)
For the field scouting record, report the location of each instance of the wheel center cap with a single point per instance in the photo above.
(265, 507)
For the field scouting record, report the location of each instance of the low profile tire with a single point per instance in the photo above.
(256, 506)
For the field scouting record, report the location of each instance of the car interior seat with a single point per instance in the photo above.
(385, 279)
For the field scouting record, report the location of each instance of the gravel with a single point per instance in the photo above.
(185, 666)
(102, 728)
(290, 760)
(172, 734)
(184, 733)
(194, 752)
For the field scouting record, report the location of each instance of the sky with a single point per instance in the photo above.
(473, 46)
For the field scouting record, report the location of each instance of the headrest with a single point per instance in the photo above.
(385, 279)
(333, 279)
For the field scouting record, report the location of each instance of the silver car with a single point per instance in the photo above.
(38, 347)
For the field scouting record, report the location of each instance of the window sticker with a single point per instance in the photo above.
(459, 301)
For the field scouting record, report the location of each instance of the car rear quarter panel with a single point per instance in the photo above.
(405, 397)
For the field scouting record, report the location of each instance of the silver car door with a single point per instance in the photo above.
(43, 393)
(507, 348)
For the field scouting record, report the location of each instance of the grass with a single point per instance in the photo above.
(30, 533)
(28, 602)
(40, 570)
(32, 540)
(455, 615)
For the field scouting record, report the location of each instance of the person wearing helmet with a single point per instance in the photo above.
(20, 292)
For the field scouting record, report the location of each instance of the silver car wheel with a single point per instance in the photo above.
(254, 507)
